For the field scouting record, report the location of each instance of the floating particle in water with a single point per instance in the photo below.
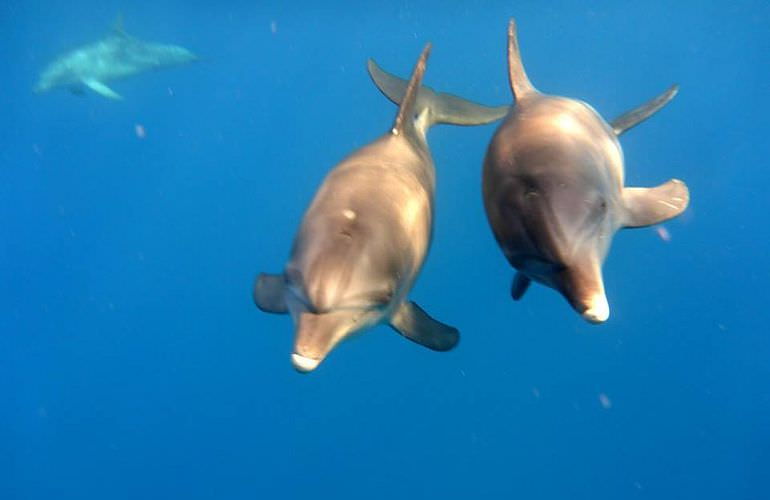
(140, 131)
(170, 91)
(273, 27)
(536, 392)
(663, 233)
(604, 400)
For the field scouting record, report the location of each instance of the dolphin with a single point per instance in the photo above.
(553, 189)
(365, 236)
(117, 56)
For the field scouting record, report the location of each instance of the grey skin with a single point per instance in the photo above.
(554, 192)
(365, 236)
(117, 56)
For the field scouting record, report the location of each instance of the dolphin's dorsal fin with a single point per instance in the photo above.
(117, 26)
(637, 115)
(520, 84)
(405, 117)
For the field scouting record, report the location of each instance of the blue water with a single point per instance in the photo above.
(133, 363)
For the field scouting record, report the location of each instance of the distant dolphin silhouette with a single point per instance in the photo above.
(365, 236)
(116, 56)
(553, 190)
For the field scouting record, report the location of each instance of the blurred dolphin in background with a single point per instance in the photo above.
(117, 56)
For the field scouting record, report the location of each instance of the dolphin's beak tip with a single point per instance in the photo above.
(304, 364)
(598, 310)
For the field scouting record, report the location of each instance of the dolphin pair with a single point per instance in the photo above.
(553, 192)
(117, 56)
(365, 236)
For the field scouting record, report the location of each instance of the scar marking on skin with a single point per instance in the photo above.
(669, 205)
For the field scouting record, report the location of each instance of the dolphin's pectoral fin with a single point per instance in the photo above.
(519, 285)
(102, 89)
(647, 206)
(638, 115)
(444, 108)
(269, 293)
(415, 324)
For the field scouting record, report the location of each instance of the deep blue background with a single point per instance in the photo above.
(133, 363)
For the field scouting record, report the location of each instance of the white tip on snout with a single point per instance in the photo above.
(598, 310)
(304, 364)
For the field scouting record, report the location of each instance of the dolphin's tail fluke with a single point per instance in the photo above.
(520, 84)
(442, 108)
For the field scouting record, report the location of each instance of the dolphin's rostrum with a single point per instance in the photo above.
(117, 56)
(366, 233)
(553, 189)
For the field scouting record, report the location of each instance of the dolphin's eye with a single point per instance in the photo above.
(600, 207)
(530, 188)
(293, 276)
(381, 297)
(603, 205)
(384, 297)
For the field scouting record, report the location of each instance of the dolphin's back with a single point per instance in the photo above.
(548, 166)
(367, 227)
(545, 133)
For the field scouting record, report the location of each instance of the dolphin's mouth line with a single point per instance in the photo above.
(538, 265)
(380, 305)
(304, 364)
